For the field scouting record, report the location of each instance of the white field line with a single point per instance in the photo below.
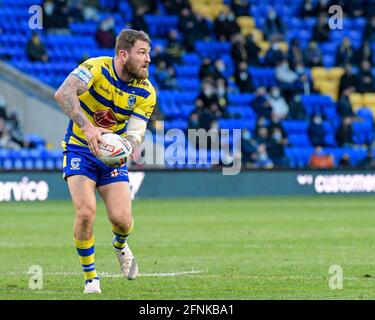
(192, 272)
(113, 275)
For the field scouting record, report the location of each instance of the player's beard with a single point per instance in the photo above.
(133, 71)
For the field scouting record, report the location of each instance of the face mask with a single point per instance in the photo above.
(318, 120)
(246, 135)
(208, 92)
(195, 122)
(263, 157)
(221, 91)
(48, 8)
(221, 67)
(277, 136)
(276, 93)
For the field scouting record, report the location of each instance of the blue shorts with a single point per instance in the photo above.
(79, 160)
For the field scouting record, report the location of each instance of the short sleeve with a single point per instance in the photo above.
(88, 71)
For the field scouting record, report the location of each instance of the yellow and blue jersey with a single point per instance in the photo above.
(110, 101)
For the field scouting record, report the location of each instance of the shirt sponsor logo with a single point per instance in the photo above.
(119, 92)
(87, 65)
(104, 89)
(104, 118)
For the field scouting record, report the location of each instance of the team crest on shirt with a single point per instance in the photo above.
(131, 101)
(75, 163)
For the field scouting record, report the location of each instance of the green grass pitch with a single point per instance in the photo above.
(246, 248)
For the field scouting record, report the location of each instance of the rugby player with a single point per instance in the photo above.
(105, 94)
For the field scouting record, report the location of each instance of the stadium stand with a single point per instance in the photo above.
(318, 75)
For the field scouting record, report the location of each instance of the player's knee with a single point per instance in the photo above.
(123, 223)
(85, 214)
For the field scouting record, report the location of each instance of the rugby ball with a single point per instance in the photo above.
(114, 150)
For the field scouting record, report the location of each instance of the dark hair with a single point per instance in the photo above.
(127, 37)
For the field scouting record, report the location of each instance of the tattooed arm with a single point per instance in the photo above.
(67, 97)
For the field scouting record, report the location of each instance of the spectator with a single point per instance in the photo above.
(322, 7)
(348, 79)
(275, 123)
(243, 79)
(175, 49)
(261, 104)
(3, 113)
(206, 70)
(345, 161)
(370, 9)
(91, 10)
(6, 141)
(295, 54)
(365, 78)
(48, 14)
(158, 55)
(303, 85)
(316, 131)
(321, 160)
(76, 9)
(355, 8)
(166, 76)
(61, 14)
(194, 27)
(16, 132)
(238, 51)
(149, 6)
(274, 55)
(221, 93)
(240, 7)
(212, 71)
(345, 132)
(285, 76)
(313, 56)
(369, 33)
(36, 50)
(175, 7)
(138, 21)
(262, 158)
(279, 106)
(226, 26)
(208, 94)
(186, 26)
(273, 27)
(369, 161)
(205, 116)
(202, 29)
(321, 29)
(105, 35)
(296, 109)
(307, 9)
(276, 148)
(364, 52)
(262, 136)
(252, 50)
(194, 122)
(344, 106)
(248, 148)
(345, 53)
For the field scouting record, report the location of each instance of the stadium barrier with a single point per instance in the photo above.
(41, 186)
